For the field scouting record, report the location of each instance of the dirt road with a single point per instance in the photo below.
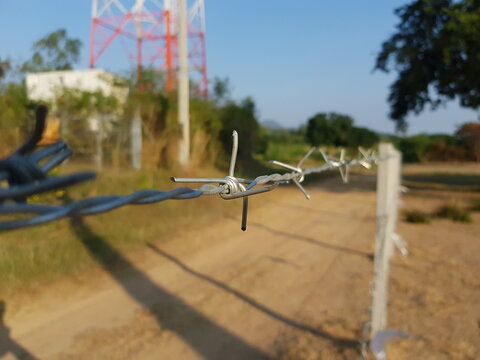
(301, 268)
(294, 286)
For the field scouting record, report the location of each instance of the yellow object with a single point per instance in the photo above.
(51, 133)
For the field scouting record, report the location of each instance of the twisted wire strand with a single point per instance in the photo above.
(49, 184)
(289, 176)
(29, 177)
(91, 206)
(97, 205)
(27, 174)
(295, 175)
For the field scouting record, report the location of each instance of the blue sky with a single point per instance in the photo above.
(295, 58)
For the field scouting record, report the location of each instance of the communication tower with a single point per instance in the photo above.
(148, 31)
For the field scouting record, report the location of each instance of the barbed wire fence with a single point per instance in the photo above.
(26, 173)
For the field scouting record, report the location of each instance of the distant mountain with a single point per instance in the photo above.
(272, 125)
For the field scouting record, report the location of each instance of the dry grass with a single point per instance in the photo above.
(417, 217)
(475, 205)
(35, 256)
(454, 213)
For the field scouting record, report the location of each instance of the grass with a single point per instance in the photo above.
(38, 255)
(475, 205)
(286, 152)
(417, 217)
(454, 213)
(451, 212)
(443, 181)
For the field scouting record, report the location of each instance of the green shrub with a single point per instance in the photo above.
(454, 213)
(416, 217)
(475, 205)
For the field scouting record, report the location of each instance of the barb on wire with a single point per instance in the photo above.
(367, 157)
(89, 206)
(340, 164)
(300, 176)
(330, 163)
(232, 187)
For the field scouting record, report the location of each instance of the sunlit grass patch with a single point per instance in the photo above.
(34, 256)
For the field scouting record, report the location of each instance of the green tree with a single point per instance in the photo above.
(56, 51)
(221, 89)
(469, 135)
(363, 137)
(4, 66)
(14, 115)
(205, 126)
(329, 129)
(148, 94)
(413, 148)
(241, 117)
(436, 53)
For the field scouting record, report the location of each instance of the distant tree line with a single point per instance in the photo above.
(338, 130)
(464, 145)
(332, 129)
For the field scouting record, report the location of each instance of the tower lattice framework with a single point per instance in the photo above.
(148, 32)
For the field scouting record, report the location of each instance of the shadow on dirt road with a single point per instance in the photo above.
(340, 342)
(313, 241)
(7, 344)
(208, 339)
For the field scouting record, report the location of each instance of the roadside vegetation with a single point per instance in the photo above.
(452, 212)
(417, 217)
(475, 205)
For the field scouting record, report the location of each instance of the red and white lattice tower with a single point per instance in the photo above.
(148, 32)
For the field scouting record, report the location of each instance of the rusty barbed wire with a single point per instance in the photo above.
(26, 173)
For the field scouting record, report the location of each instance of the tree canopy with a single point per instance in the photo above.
(329, 129)
(55, 51)
(241, 117)
(338, 130)
(469, 134)
(436, 53)
(4, 66)
(221, 89)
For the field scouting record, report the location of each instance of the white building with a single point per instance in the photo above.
(44, 86)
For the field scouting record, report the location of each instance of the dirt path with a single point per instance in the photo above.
(294, 286)
(302, 267)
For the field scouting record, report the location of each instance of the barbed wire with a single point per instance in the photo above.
(26, 172)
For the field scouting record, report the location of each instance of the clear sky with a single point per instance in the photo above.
(295, 58)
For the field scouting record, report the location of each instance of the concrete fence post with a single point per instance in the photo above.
(388, 188)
